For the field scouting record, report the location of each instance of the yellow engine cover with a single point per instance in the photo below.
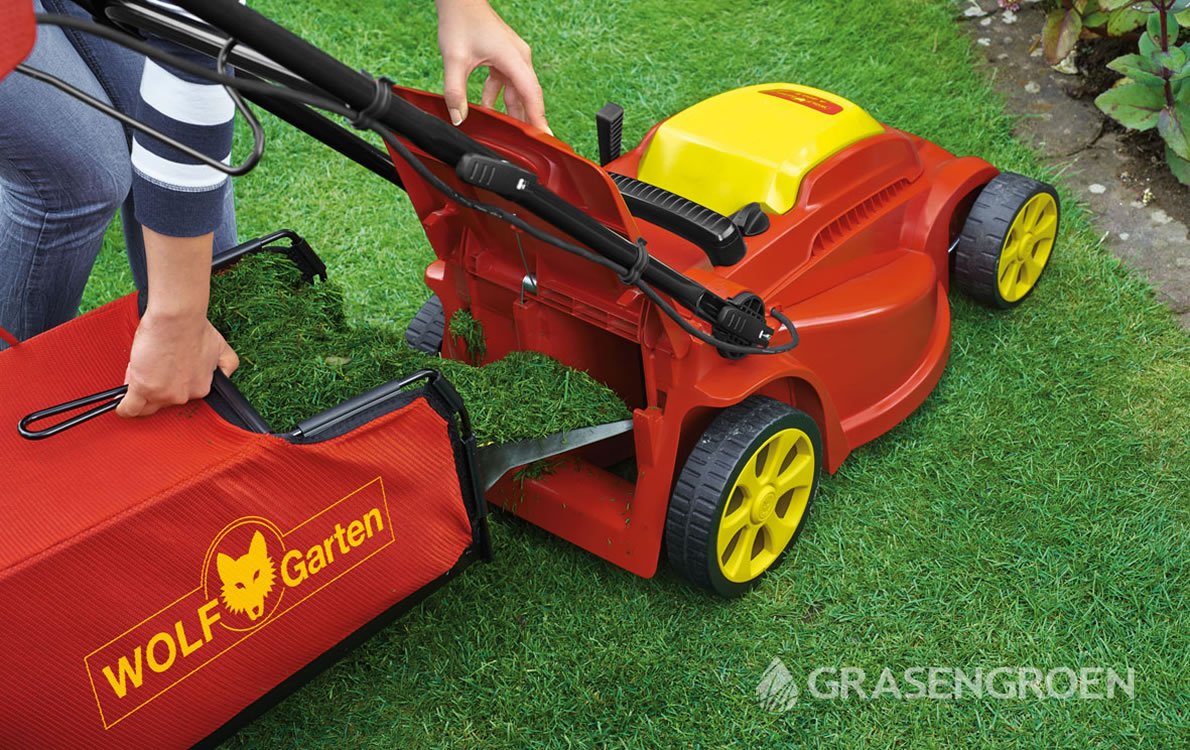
(752, 145)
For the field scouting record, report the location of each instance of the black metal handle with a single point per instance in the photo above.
(298, 250)
(310, 429)
(107, 401)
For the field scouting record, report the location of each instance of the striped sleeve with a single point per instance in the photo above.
(174, 194)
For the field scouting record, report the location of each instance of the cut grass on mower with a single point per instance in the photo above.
(299, 356)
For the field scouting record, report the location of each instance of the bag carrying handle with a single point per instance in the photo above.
(107, 401)
(228, 403)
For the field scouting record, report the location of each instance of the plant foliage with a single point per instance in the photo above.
(1155, 92)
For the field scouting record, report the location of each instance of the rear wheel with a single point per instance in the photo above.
(427, 328)
(743, 495)
(1007, 240)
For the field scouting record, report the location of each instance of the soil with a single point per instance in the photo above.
(1146, 150)
(1091, 57)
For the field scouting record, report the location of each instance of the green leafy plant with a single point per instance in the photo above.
(1068, 21)
(1156, 90)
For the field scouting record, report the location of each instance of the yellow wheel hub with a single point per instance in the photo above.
(765, 505)
(1028, 246)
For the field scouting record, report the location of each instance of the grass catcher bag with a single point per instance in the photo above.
(164, 580)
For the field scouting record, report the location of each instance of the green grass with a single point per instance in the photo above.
(1032, 513)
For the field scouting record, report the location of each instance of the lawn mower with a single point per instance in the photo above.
(772, 197)
(764, 280)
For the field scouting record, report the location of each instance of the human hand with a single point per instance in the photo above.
(172, 362)
(176, 349)
(471, 35)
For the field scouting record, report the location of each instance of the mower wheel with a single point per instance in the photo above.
(743, 495)
(1007, 240)
(428, 326)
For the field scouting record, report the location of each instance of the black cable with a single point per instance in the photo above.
(631, 276)
(187, 66)
(362, 120)
(137, 125)
(258, 140)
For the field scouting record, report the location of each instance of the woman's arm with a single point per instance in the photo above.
(176, 349)
(179, 204)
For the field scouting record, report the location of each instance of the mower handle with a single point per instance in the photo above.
(449, 145)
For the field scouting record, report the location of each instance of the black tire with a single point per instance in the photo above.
(985, 234)
(706, 482)
(427, 328)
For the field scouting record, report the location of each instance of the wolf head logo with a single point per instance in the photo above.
(247, 580)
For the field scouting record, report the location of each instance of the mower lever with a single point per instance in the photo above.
(744, 324)
(497, 175)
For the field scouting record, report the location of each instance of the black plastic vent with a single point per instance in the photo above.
(718, 237)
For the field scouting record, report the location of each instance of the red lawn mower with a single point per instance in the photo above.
(764, 280)
(775, 199)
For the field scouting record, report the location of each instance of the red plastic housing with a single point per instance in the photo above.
(860, 264)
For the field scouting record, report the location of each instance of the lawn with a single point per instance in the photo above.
(1032, 513)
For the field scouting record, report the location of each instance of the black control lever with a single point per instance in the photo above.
(503, 178)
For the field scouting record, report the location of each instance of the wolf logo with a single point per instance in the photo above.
(247, 580)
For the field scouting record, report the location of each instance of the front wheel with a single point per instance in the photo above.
(1007, 240)
(427, 328)
(743, 495)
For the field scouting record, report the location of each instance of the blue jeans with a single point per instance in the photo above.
(64, 172)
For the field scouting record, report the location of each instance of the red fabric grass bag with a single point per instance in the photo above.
(18, 30)
(160, 578)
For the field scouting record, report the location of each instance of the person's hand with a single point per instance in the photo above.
(173, 359)
(176, 349)
(471, 35)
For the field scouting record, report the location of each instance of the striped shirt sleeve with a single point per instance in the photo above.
(174, 194)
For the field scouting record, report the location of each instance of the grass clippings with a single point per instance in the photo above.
(300, 356)
(464, 326)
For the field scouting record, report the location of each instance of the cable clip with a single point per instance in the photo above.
(631, 276)
(364, 119)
